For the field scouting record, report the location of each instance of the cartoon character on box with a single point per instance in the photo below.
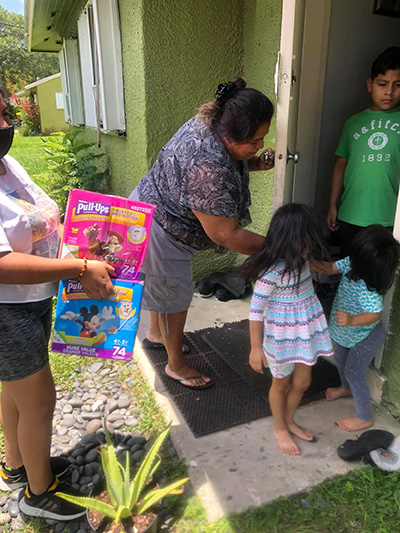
(102, 249)
(90, 322)
(94, 244)
(136, 234)
(124, 310)
(112, 247)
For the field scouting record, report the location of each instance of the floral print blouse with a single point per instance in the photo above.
(195, 171)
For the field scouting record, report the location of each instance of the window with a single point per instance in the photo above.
(101, 65)
(59, 101)
(71, 82)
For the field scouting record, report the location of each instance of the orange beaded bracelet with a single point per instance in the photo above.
(79, 276)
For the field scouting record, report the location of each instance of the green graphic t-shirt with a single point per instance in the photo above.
(371, 143)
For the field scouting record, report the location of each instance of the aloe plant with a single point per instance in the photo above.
(126, 496)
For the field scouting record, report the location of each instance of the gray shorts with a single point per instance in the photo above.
(169, 286)
(24, 338)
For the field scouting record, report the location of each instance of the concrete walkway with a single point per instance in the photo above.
(242, 467)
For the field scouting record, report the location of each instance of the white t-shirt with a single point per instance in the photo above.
(29, 222)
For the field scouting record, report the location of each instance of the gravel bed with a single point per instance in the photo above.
(77, 434)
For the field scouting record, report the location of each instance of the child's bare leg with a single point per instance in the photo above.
(333, 393)
(277, 401)
(301, 380)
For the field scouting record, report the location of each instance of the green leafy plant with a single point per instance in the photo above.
(72, 164)
(127, 497)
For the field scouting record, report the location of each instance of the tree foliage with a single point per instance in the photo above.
(18, 67)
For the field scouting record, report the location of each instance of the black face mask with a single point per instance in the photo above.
(6, 139)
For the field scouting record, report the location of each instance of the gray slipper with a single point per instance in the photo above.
(387, 458)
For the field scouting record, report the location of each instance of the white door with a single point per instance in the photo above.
(287, 89)
(299, 86)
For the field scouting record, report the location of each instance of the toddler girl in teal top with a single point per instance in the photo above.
(355, 323)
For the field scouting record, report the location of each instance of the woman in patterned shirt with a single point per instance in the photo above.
(200, 187)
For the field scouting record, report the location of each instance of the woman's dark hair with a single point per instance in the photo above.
(296, 232)
(387, 60)
(374, 255)
(238, 116)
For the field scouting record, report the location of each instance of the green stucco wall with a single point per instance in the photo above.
(186, 57)
(189, 51)
(172, 64)
(51, 118)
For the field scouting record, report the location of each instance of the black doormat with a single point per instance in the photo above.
(232, 344)
(239, 395)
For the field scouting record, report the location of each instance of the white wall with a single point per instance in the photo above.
(356, 37)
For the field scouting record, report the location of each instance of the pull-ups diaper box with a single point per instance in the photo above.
(115, 230)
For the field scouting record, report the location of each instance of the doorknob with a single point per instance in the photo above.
(292, 157)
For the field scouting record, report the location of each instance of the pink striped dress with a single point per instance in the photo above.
(295, 328)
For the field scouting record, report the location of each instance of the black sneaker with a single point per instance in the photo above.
(16, 478)
(48, 505)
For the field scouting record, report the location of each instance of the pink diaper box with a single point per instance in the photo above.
(107, 228)
(112, 229)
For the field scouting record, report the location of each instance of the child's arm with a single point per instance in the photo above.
(257, 359)
(364, 319)
(336, 191)
(325, 267)
(262, 290)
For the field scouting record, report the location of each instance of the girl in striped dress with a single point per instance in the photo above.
(288, 329)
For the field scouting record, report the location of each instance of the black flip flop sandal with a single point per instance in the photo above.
(353, 450)
(160, 346)
(194, 387)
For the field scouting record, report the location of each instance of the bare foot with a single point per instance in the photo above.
(353, 424)
(302, 433)
(285, 442)
(333, 393)
(189, 372)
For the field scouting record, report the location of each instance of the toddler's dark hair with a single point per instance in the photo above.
(387, 60)
(374, 255)
(296, 232)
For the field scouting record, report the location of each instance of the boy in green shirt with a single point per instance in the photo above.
(366, 174)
